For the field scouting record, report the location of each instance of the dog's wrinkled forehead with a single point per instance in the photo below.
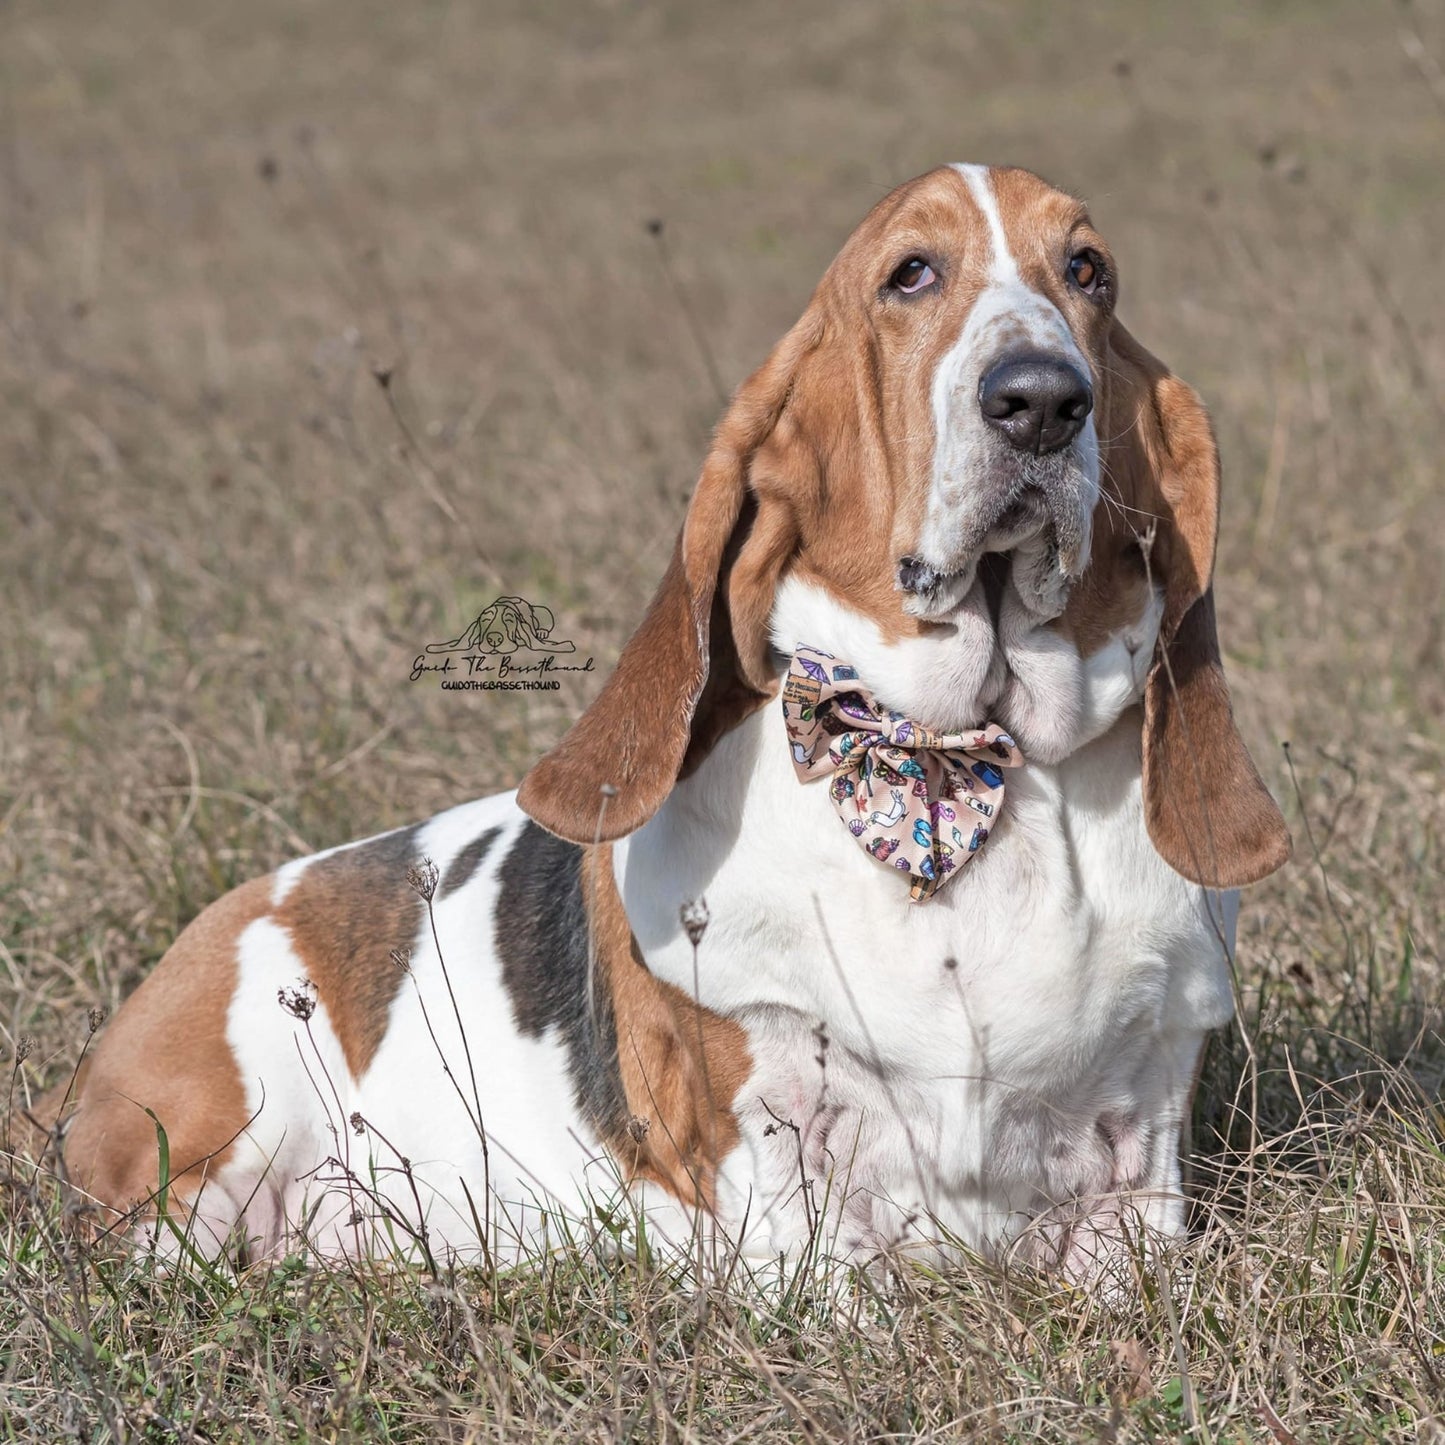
(1027, 227)
(958, 270)
(978, 221)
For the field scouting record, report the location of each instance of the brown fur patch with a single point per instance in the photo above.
(1113, 593)
(346, 915)
(165, 1050)
(681, 1065)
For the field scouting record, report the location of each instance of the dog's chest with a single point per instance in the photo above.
(1049, 994)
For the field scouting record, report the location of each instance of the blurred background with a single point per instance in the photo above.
(223, 541)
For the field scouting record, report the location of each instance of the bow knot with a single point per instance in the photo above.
(916, 800)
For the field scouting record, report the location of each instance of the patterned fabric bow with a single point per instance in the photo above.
(918, 801)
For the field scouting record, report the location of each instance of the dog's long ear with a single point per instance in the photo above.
(699, 660)
(1208, 811)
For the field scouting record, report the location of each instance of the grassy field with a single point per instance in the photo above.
(222, 543)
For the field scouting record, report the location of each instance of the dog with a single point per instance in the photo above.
(959, 530)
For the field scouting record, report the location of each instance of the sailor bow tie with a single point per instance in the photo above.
(917, 801)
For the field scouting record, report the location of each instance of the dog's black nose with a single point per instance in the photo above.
(1039, 403)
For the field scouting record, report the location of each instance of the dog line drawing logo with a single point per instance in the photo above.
(508, 646)
(504, 627)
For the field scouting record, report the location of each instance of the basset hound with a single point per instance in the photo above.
(881, 900)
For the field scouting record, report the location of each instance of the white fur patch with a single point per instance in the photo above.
(1018, 1049)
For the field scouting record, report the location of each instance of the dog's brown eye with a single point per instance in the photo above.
(914, 275)
(1086, 271)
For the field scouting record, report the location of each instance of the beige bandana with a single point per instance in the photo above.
(918, 801)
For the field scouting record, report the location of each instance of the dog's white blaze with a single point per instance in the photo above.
(1006, 293)
(1005, 268)
(1006, 307)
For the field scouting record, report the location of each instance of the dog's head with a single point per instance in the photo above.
(499, 628)
(958, 387)
(510, 623)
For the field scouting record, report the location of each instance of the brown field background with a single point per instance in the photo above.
(220, 546)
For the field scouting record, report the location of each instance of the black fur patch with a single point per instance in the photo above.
(468, 861)
(542, 937)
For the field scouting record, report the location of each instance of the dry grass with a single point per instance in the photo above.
(219, 558)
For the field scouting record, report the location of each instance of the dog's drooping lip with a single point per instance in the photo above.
(1041, 519)
(920, 578)
(1022, 517)
(1025, 525)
